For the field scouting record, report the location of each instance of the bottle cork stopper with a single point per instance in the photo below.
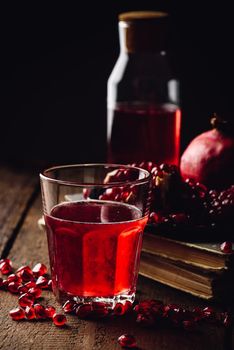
(138, 15)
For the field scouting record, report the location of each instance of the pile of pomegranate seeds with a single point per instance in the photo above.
(29, 284)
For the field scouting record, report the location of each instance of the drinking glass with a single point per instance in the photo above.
(95, 215)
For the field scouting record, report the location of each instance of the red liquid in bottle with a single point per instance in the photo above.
(94, 248)
(141, 132)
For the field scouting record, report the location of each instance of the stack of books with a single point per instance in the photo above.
(201, 269)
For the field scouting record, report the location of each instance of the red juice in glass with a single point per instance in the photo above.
(144, 132)
(94, 248)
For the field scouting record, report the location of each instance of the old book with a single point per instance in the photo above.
(204, 254)
(196, 281)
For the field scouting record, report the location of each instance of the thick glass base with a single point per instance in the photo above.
(110, 301)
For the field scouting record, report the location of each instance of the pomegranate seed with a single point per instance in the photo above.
(42, 282)
(101, 312)
(84, 310)
(26, 300)
(50, 311)
(14, 278)
(5, 266)
(30, 313)
(59, 320)
(39, 270)
(4, 284)
(119, 309)
(1, 282)
(127, 341)
(17, 314)
(226, 247)
(145, 319)
(68, 307)
(227, 322)
(40, 311)
(128, 306)
(22, 289)
(208, 313)
(197, 314)
(13, 287)
(189, 325)
(35, 291)
(30, 284)
(25, 273)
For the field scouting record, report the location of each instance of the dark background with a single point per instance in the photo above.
(55, 62)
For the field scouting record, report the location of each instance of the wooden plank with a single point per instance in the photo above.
(31, 247)
(16, 191)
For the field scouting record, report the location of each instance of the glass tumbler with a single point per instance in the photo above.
(95, 215)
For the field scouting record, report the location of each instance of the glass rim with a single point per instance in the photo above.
(144, 180)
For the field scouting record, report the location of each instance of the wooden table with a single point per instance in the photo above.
(22, 241)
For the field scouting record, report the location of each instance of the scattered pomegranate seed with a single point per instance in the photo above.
(14, 278)
(119, 309)
(84, 310)
(39, 270)
(25, 273)
(30, 313)
(227, 321)
(42, 282)
(128, 306)
(145, 319)
(22, 289)
(127, 341)
(99, 313)
(4, 284)
(26, 300)
(50, 311)
(17, 314)
(40, 311)
(226, 247)
(59, 320)
(68, 307)
(30, 284)
(35, 291)
(5, 266)
(13, 287)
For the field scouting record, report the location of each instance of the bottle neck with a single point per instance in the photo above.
(142, 37)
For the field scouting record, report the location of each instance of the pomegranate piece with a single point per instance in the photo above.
(119, 309)
(5, 266)
(127, 341)
(25, 273)
(13, 287)
(35, 291)
(59, 320)
(17, 314)
(42, 282)
(68, 307)
(226, 247)
(26, 300)
(50, 311)
(40, 311)
(84, 310)
(30, 312)
(39, 270)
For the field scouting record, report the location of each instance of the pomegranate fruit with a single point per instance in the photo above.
(209, 158)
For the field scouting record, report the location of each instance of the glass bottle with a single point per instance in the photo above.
(144, 116)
